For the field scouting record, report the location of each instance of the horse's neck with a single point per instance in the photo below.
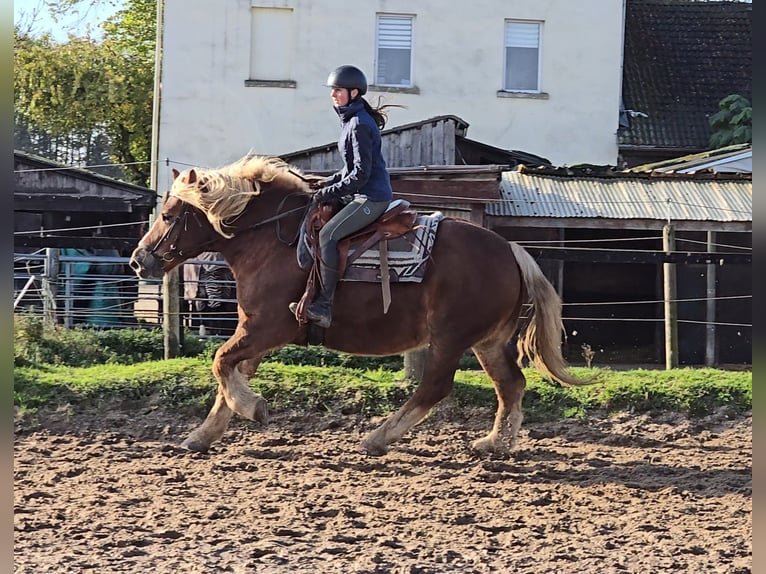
(259, 232)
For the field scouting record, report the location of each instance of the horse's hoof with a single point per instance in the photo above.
(195, 445)
(491, 447)
(261, 412)
(484, 445)
(371, 449)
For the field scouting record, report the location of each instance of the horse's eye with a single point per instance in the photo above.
(167, 218)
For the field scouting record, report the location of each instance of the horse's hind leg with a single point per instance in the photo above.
(436, 383)
(497, 361)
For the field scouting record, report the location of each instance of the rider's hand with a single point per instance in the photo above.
(317, 183)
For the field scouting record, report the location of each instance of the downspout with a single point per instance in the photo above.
(620, 103)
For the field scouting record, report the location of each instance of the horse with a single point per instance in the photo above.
(471, 297)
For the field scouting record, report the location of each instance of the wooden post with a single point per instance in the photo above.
(68, 295)
(171, 315)
(49, 281)
(671, 306)
(559, 269)
(711, 358)
(477, 214)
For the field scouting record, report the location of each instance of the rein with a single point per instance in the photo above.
(279, 216)
(172, 252)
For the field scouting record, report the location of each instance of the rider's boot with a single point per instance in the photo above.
(320, 310)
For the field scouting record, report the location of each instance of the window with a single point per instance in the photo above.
(393, 66)
(522, 56)
(271, 47)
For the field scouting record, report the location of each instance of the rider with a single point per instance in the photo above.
(364, 176)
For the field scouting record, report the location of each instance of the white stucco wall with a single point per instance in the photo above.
(209, 117)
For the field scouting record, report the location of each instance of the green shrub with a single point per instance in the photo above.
(38, 343)
(321, 357)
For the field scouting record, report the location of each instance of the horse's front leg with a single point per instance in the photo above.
(233, 385)
(213, 428)
(234, 393)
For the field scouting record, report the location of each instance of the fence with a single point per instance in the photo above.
(102, 291)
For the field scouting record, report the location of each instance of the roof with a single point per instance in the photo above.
(734, 158)
(564, 193)
(57, 205)
(461, 126)
(37, 175)
(458, 147)
(681, 58)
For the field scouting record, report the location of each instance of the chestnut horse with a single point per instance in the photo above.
(471, 297)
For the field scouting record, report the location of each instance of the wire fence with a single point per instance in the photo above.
(103, 291)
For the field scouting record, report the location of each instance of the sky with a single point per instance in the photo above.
(36, 13)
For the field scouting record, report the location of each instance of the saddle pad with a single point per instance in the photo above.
(407, 255)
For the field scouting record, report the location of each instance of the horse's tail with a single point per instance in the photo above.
(540, 342)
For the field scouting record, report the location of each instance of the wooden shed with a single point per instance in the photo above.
(55, 205)
(433, 165)
(598, 234)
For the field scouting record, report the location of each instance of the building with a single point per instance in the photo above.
(248, 75)
(682, 57)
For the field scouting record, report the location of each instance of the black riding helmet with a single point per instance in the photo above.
(349, 77)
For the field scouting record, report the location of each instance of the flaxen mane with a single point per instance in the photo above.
(222, 194)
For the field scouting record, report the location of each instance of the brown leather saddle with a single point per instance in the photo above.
(397, 220)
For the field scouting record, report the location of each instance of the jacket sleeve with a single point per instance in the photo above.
(332, 179)
(361, 168)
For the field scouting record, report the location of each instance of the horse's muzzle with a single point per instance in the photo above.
(145, 264)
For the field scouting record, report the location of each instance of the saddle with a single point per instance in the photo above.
(397, 220)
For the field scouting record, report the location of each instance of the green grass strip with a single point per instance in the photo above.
(186, 382)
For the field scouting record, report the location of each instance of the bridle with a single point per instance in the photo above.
(179, 223)
(172, 251)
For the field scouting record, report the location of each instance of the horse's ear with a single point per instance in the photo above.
(194, 178)
(176, 173)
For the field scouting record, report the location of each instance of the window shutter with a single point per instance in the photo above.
(520, 35)
(394, 33)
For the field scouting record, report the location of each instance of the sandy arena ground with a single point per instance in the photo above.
(112, 492)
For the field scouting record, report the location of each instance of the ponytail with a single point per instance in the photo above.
(377, 113)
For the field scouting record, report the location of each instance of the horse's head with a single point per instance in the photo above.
(180, 232)
(205, 207)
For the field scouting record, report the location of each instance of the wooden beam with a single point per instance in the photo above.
(432, 191)
(100, 242)
(590, 255)
(508, 221)
(69, 204)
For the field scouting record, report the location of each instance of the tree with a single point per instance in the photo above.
(74, 100)
(733, 123)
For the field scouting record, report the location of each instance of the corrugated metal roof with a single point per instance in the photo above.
(679, 199)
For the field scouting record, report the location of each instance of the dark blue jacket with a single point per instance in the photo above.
(364, 170)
